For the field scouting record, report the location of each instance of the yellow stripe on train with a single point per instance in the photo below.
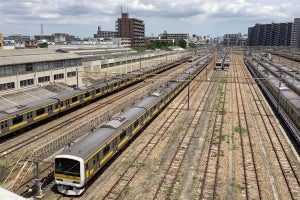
(123, 142)
(17, 125)
(106, 158)
(76, 178)
(40, 116)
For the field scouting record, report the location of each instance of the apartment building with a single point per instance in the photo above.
(275, 34)
(131, 28)
(295, 43)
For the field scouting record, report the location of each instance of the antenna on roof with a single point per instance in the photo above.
(42, 30)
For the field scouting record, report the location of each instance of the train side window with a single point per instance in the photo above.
(94, 160)
(74, 99)
(122, 136)
(87, 94)
(98, 90)
(136, 124)
(106, 150)
(40, 111)
(61, 104)
(49, 108)
(56, 105)
(86, 165)
(17, 120)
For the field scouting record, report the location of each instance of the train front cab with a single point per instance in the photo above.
(69, 174)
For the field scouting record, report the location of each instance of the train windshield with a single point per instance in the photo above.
(67, 166)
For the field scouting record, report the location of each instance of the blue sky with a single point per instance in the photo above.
(201, 17)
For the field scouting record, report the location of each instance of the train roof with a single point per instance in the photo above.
(85, 147)
(289, 94)
(95, 140)
(68, 94)
(23, 108)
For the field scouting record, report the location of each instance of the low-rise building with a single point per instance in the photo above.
(24, 68)
(175, 36)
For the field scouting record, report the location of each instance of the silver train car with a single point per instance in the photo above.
(223, 62)
(78, 163)
(281, 96)
(16, 119)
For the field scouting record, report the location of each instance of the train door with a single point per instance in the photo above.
(4, 127)
(114, 144)
(50, 110)
(29, 116)
(98, 92)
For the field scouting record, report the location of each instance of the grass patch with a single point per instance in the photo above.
(222, 137)
(240, 130)
(222, 112)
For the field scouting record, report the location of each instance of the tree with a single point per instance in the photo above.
(192, 44)
(182, 43)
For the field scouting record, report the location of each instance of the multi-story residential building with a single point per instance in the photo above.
(234, 40)
(295, 43)
(105, 34)
(131, 28)
(275, 34)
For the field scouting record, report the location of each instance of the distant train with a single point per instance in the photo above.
(223, 62)
(78, 163)
(280, 95)
(17, 118)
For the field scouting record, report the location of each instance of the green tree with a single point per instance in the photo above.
(182, 43)
(192, 44)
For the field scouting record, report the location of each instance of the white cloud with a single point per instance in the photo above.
(161, 14)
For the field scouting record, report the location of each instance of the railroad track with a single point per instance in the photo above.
(252, 184)
(59, 126)
(92, 109)
(167, 186)
(285, 166)
(208, 185)
(124, 179)
(86, 112)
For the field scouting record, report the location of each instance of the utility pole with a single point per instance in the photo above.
(38, 184)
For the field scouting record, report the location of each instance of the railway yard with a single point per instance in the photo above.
(218, 139)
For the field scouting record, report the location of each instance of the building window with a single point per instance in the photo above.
(44, 79)
(58, 76)
(6, 70)
(58, 64)
(71, 74)
(27, 82)
(28, 68)
(72, 62)
(7, 86)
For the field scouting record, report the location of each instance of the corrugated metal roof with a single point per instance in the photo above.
(21, 56)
